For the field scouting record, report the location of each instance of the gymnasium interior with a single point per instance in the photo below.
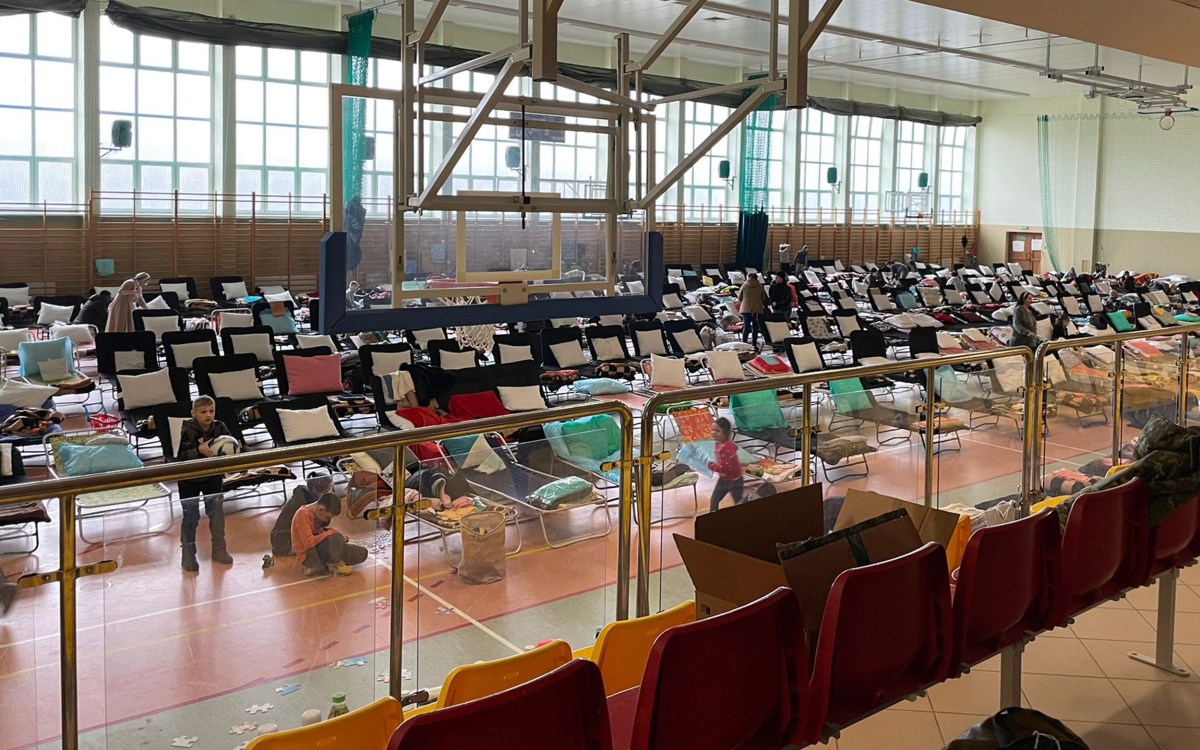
(532, 374)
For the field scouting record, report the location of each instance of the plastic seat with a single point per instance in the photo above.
(367, 727)
(473, 681)
(1172, 541)
(885, 634)
(1005, 586)
(1103, 547)
(732, 681)
(623, 647)
(561, 710)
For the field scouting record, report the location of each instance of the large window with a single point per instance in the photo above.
(165, 88)
(866, 163)
(37, 109)
(283, 126)
(572, 168)
(911, 155)
(818, 152)
(954, 169)
(702, 185)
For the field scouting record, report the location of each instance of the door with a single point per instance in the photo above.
(1025, 249)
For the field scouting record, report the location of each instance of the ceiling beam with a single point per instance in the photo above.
(1162, 29)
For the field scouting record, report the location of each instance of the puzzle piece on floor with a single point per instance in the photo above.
(383, 677)
(443, 610)
(260, 708)
(358, 662)
(184, 741)
(383, 603)
(243, 746)
(287, 689)
(248, 726)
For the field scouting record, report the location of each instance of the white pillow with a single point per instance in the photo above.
(234, 319)
(151, 389)
(316, 341)
(725, 365)
(10, 341)
(425, 335)
(307, 424)
(25, 395)
(697, 313)
(234, 289)
(1101, 354)
(186, 354)
(635, 287)
(688, 341)
(650, 342)
(569, 354)
(129, 360)
(384, 362)
(777, 330)
(258, 344)
(269, 289)
(672, 301)
(521, 397)
(6, 469)
(180, 290)
(734, 346)
(49, 314)
(459, 360)
(79, 334)
(612, 320)
(510, 353)
(608, 349)
(666, 372)
(808, 358)
(241, 385)
(158, 303)
(1149, 323)
(54, 370)
(1045, 329)
(17, 297)
(160, 324)
(482, 458)
(175, 426)
(284, 296)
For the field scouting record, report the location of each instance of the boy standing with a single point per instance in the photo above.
(195, 441)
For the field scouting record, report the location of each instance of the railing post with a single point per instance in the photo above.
(1118, 400)
(626, 489)
(1035, 404)
(932, 429)
(396, 623)
(645, 465)
(68, 640)
(1183, 378)
(806, 437)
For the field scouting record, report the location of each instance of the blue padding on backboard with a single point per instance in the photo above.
(335, 318)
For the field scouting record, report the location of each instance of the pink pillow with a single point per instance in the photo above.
(319, 374)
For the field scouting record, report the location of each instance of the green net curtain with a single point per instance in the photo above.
(1067, 168)
(354, 135)
(755, 183)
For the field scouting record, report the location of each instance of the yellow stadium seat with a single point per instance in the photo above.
(472, 681)
(622, 648)
(368, 728)
(1050, 502)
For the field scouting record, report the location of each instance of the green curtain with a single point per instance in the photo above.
(755, 181)
(354, 135)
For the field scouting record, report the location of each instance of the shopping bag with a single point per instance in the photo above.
(1019, 729)
(483, 558)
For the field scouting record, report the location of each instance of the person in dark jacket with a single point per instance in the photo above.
(1024, 324)
(196, 441)
(751, 306)
(303, 494)
(780, 294)
(94, 312)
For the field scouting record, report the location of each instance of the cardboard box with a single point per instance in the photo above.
(734, 557)
(932, 524)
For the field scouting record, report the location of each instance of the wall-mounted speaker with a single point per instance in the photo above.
(723, 169)
(831, 176)
(512, 157)
(369, 148)
(923, 180)
(122, 133)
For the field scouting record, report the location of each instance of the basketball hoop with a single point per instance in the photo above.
(480, 337)
(1167, 121)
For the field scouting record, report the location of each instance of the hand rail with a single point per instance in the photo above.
(67, 488)
(805, 381)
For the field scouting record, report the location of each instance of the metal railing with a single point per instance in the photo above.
(633, 494)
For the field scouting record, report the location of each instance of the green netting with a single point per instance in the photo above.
(756, 157)
(1067, 167)
(354, 116)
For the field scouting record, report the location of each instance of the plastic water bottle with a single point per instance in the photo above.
(338, 707)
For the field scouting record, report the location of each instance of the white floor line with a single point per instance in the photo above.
(427, 592)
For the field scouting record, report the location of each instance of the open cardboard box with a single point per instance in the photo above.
(735, 558)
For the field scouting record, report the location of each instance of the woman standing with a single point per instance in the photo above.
(120, 312)
(1024, 325)
(751, 307)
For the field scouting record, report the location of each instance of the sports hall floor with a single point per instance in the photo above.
(163, 654)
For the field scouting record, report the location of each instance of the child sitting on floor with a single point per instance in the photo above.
(320, 548)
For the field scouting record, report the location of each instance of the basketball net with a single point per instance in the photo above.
(477, 337)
